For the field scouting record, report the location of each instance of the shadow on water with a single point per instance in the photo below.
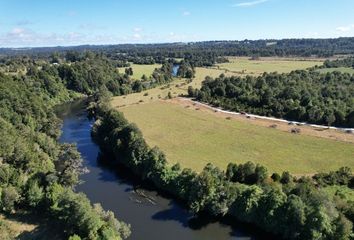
(152, 214)
(173, 212)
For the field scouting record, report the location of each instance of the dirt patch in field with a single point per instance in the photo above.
(280, 126)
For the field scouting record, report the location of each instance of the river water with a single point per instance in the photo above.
(152, 218)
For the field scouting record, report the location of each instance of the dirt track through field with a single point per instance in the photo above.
(279, 124)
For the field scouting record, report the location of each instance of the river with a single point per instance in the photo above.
(152, 218)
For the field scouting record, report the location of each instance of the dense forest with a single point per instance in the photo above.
(306, 96)
(281, 204)
(200, 53)
(37, 174)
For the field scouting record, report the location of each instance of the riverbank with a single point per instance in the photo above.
(137, 202)
(267, 203)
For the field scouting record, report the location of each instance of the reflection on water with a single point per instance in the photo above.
(175, 70)
(152, 215)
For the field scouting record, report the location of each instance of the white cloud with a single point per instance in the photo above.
(186, 13)
(137, 29)
(17, 31)
(249, 4)
(137, 36)
(26, 37)
(345, 28)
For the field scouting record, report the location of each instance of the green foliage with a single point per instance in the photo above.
(36, 172)
(293, 209)
(34, 193)
(74, 237)
(300, 95)
(69, 165)
(343, 176)
(9, 197)
(186, 70)
(346, 62)
(248, 173)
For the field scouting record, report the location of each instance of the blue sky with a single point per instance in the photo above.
(26, 23)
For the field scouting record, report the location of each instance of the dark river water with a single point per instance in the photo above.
(152, 218)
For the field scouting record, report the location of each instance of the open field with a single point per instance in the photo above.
(169, 124)
(194, 138)
(244, 66)
(177, 87)
(309, 130)
(340, 69)
(139, 70)
(235, 67)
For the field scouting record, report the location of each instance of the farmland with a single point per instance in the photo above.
(194, 138)
(169, 124)
(244, 66)
(234, 67)
(139, 70)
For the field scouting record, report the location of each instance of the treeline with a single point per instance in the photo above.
(282, 205)
(146, 52)
(198, 54)
(299, 96)
(37, 174)
(346, 62)
(89, 74)
(86, 73)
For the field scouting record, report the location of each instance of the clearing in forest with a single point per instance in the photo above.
(140, 69)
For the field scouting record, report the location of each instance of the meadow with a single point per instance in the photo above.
(141, 69)
(245, 66)
(194, 138)
(234, 67)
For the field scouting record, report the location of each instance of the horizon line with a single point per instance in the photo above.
(178, 42)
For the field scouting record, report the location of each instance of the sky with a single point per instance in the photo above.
(34, 23)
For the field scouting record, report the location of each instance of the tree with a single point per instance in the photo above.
(286, 178)
(69, 165)
(191, 92)
(74, 237)
(329, 117)
(276, 177)
(343, 228)
(261, 174)
(34, 193)
(9, 197)
(129, 71)
(293, 217)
